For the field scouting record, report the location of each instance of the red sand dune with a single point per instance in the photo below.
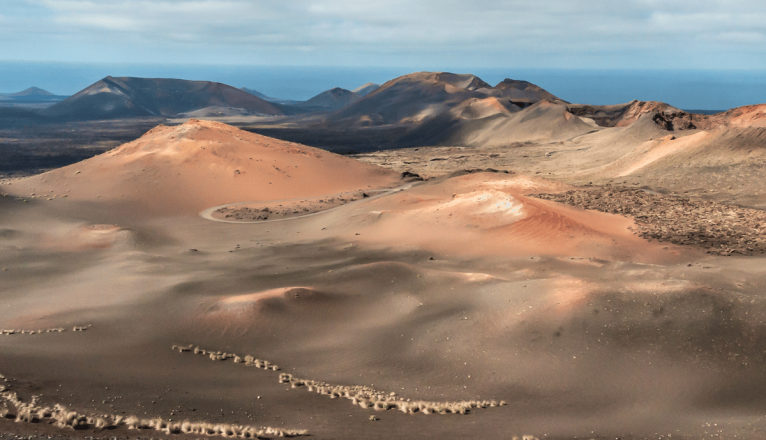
(484, 214)
(185, 169)
(242, 312)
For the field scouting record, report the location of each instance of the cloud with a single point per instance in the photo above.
(545, 33)
(743, 37)
(106, 22)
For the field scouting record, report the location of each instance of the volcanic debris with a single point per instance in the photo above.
(721, 229)
(363, 396)
(12, 407)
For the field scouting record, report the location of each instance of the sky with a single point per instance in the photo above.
(425, 34)
(702, 54)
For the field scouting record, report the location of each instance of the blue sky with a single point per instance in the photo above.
(646, 34)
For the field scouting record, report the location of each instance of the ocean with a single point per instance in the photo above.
(685, 89)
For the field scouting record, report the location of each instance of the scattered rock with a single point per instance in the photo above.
(411, 176)
(720, 228)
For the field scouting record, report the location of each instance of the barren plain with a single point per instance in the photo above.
(565, 279)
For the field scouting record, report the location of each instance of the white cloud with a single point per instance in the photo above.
(107, 22)
(743, 37)
(544, 32)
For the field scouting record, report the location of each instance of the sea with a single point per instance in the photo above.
(708, 90)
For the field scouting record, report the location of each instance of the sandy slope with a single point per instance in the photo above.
(459, 288)
(184, 169)
(545, 121)
(485, 214)
(478, 108)
(520, 92)
(332, 99)
(417, 97)
(647, 144)
(621, 115)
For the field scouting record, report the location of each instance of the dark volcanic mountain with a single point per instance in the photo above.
(332, 99)
(418, 97)
(366, 89)
(329, 100)
(113, 98)
(259, 94)
(520, 92)
(269, 98)
(32, 91)
(33, 98)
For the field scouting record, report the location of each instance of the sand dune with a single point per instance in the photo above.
(457, 291)
(490, 214)
(273, 299)
(258, 311)
(86, 237)
(184, 169)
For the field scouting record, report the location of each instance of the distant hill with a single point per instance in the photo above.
(127, 97)
(329, 100)
(33, 98)
(417, 97)
(366, 89)
(259, 94)
(32, 91)
(519, 92)
(332, 99)
(269, 98)
(544, 121)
